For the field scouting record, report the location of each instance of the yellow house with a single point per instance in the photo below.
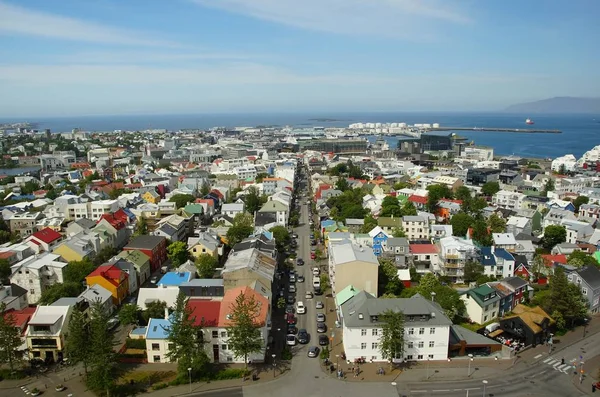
(75, 250)
(151, 197)
(204, 244)
(113, 279)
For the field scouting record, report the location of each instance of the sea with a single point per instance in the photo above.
(580, 132)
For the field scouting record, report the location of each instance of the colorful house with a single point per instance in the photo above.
(140, 261)
(76, 249)
(111, 278)
(379, 240)
(44, 240)
(155, 247)
(151, 197)
(116, 224)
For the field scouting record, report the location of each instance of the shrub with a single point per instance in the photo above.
(230, 373)
(286, 354)
(160, 386)
(135, 343)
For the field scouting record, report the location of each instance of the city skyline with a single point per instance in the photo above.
(73, 58)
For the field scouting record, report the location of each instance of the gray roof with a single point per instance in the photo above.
(458, 334)
(397, 242)
(355, 222)
(591, 275)
(344, 252)
(514, 282)
(66, 302)
(145, 242)
(413, 218)
(418, 311)
(203, 282)
(85, 223)
(168, 229)
(96, 293)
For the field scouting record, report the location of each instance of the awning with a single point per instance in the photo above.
(495, 333)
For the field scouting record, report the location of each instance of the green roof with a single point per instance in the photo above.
(597, 256)
(345, 294)
(138, 258)
(194, 209)
(389, 222)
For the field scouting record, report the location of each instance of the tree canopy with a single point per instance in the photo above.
(553, 235)
(242, 228)
(10, 339)
(348, 205)
(473, 271)
(496, 224)
(206, 264)
(436, 193)
(60, 290)
(181, 200)
(389, 285)
(461, 222)
(566, 298)
(391, 341)
(579, 201)
(244, 329)
(178, 253)
(282, 237)
(490, 188)
(253, 200)
(445, 296)
(77, 271)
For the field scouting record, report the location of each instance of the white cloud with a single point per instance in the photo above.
(23, 21)
(389, 18)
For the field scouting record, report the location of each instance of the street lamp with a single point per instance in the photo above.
(485, 382)
(337, 362)
(190, 374)
(469, 369)
(274, 364)
(433, 296)
(427, 368)
(332, 337)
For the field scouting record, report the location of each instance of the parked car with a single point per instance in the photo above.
(292, 288)
(291, 319)
(300, 279)
(292, 278)
(112, 323)
(312, 235)
(316, 271)
(313, 255)
(319, 305)
(313, 242)
(299, 261)
(321, 328)
(300, 308)
(289, 309)
(291, 299)
(313, 352)
(294, 235)
(308, 295)
(290, 340)
(323, 340)
(303, 337)
(291, 329)
(154, 279)
(320, 317)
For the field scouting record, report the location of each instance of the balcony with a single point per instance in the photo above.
(453, 265)
(452, 256)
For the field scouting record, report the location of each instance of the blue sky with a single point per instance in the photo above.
(73, 57)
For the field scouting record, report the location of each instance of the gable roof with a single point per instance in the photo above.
(423, 249)
(229, 301)
(110, 273)
(47, 235)
(591, 275)
(531, 316)
(117, 219)
(158, 328)
(145, 242)
(205, 313)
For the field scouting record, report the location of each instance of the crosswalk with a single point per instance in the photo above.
(567, 368)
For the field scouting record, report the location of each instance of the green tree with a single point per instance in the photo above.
(178, 253)
(554, 235)
(76, 271)
(348, 204)
(388, 282)
(181, 200)
(103, 372)
(186, 341)
(490, 188)
(462, 193)
(342, 184)
(206, 264)
(5, 271)
(401, 185)
(585, 259)
(51, 194)
(445, 296)
(369, 224)
(537, 266)
(242, 228)
(566, 298)
(473, 271)
(10, 339)
(104, 255)
(205, 188)
(398, 232)
(496, 224)
(154, 309)
(281, 303)
(461, 222)
(548, 187)
(391, 341)
(115, 193)
(481, 234)
(436, 193)
(60, 290)
(390, 207)
(78, 340)
(253, 200)
(282, 237)
(557, 316)
(129, 314)
(244, 327)
(579, 201)
(409, 209)
(141, 227)
(324, 279)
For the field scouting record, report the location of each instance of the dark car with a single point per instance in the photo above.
(321, 328)
(300, 279)
(290, 318)
(300, 262)
(323, 340)
(303, 337)
(313, 242)
(313, 352)
(318, 291)
(312, 235)
(291, 329)
(289, 309)
(291, 299)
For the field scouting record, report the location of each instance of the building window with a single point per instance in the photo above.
(421, 344)
(375, 332)
(373, 357)
(223, 347)
(430, 356)
(409, 357)
(155, 346)
(223, 334)
(229, 358)
(420, 357)
(431, 331)
(484, 319)
(374, 345)
(411, 331)
(363, 332)
(363, 346)
(215, 334)
(156, 359)
(584, 291)
(431, 343)
(421, 331)
(32, 292)
(411, 345)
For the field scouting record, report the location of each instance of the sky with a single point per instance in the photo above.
(105, 57)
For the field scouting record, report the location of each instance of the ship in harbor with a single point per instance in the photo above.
(529, 122)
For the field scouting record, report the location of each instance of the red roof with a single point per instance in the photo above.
(417, 199)
(204, 312)
(550, 260)
(117, 219)
(21, 317)
(451, 201)
(110, 273)
(208, 202)
(47, 235)
(423, 249)
(6, 254)
(217, 193)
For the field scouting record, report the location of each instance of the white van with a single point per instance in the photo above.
(316, 282)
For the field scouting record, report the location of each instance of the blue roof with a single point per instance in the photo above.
(175, 278)
(327, 222)
(504, 254)
(139, 331)
(129, 214)
(487, 258)
(158, 328)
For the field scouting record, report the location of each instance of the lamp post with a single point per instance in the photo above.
(427, 368)
(332, 338)
(337, 361)
(469, 369)
(190, 375)
(274, 364)
(581, 372)
(550, 342)
(485, 382)
(433, 296)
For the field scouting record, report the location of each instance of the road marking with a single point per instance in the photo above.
(541, 373)
(548, 359)
(538, 356)
(457, 389)
(562, 367)
(441, 390)
(473, 388)
(418, 391)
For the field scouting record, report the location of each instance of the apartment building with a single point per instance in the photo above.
(508, 200)
(36, 273)
(415, 227)
(454, 254)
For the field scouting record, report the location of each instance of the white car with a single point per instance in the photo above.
(290, 340)
(292, 288)
(309, 295)
(300, 308)
(316, 271)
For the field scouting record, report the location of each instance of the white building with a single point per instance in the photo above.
(36, 273)
(454, 254)
(415, 227)
(567, 161)
(46, 330)
(232, 209)
(509, 200)
(427, 329)
(478, 153)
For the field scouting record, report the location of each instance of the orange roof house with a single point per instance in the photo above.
(229, 301)
(113, 279)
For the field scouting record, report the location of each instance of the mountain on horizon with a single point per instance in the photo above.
(558, 105)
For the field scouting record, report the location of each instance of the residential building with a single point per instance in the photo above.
(415, 227)
(131, 270)
(532, 325)
(279, 208)
(450, 182)
(157, 340)
(388, 224)
(98, 294)
(426, 328)
(482, 303)
(174, 279)
(44, 240)
(424, 257)
(13, 297)
(508, 199)
(154, 247)
(438, 232)
(36, 273)
(454, 253)
(577, 231)
(164, 294)
(519, 224)
(497, 262)
(589, 211)
(556, 216)
(588, 280)
(115, 223)
(141, 263)
(151, 197)
(80, 225)
(350, 264)
(398, 248)
(519, 287)
(46, 332)
(379, 240)
(505, 240)
(205, 243)
(232, 209)
(76, 248)
(244, 266)
(203, 287)
(111, 278)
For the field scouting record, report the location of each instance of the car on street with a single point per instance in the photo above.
(313, 352)
(308, 295)
(316, 271)
(292, 288)
(154, 279)
(292, 277)
(112, 323)
(289, 309)
(291, 299)
(294, 235)
(290, 318)
(291, 329)
(319, 305)
(316, 282)
(320, 317)
(313, 255)
(300, 308)
(303, 337)
(300, 279)
(299, 261)
(313, 242)
(290, 340)
(321, 328)
(312, 235)
(318, 290)
(323, 340)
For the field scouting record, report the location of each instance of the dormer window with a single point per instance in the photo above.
(374, 319)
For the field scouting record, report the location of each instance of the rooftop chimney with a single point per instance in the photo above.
(166, 313)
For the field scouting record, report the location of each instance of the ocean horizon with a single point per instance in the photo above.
(580, 132)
